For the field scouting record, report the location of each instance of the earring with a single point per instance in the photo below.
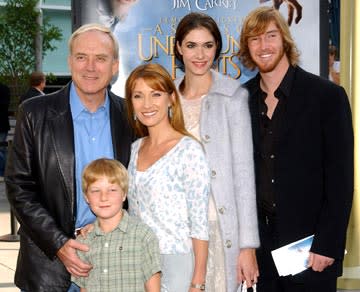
(135, 118)
(170, 113)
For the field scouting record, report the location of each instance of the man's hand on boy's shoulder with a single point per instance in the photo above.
(74, 265)
(86, 230)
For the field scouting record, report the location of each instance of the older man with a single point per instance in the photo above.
(56, 136)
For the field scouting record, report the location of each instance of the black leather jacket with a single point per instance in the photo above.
(40, 184)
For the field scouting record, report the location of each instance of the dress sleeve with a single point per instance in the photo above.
(197, 188)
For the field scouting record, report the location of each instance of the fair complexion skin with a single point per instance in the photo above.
(267, 51)
(151, 108)
(92, 65)
(106, 201)
(198, 50)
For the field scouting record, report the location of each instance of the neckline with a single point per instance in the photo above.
(172, 149)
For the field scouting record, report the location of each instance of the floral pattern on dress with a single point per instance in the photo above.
(171, 196)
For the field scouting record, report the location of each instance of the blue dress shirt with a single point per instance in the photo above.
(92, 135)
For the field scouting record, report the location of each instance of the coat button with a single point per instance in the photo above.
(272, 156)
(213, 173)
(206, 138)
(221, 210)
(228, 243)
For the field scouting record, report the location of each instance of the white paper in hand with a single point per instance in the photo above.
(292, 258)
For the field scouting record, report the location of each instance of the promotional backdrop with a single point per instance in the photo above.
(145, 30)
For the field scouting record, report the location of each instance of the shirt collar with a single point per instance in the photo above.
(77, 106)
(122, 226)
(285, 86)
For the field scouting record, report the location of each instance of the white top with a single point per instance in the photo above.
(171, 196)
(191, 111)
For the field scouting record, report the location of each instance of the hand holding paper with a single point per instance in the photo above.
(293, 258)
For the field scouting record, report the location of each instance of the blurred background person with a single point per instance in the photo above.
(37, 82)
(334, 66)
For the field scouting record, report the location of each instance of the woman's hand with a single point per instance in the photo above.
(247, 268)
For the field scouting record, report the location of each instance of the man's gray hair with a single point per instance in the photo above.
(96, 27)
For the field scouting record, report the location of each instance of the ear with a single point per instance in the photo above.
(172, 99)
(69, 63)
(115, 67)
(124, 198)
(179, 48)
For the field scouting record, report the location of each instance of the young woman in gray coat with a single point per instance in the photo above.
(216, 111)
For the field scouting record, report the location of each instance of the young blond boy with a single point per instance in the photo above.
(124, 251)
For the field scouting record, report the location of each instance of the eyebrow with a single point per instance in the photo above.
(207, 42)
(272, 31)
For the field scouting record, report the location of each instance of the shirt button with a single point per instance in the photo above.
(93, 139)
(228, 243)
(221, 210)
(274, 205)
(262, 113)
(105, 271)
(270, 132)
(106, 244)
(272, 181)
(213, 173)
(272, 156)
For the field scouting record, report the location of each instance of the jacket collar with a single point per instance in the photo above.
(221, 84)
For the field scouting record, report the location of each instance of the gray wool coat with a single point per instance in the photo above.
(225, 131)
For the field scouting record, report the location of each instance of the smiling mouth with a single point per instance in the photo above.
(199, 64)
(265, 56)
(149, 114)
(104, 207)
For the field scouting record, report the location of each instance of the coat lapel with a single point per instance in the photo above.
(294, 106)
(62, 137)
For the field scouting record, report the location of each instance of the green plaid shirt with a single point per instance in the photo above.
(123, 260)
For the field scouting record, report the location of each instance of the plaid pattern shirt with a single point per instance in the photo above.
(123, 260)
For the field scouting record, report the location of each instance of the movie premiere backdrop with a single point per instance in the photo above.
(145, 30)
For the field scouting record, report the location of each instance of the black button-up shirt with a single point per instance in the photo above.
(269, 138)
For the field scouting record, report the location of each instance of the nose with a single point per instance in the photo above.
(147, 101)
(104, 196)
(263, 42)
(90, 65)
(200, 52)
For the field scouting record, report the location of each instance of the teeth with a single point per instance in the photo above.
(265, 56)
(149, 114)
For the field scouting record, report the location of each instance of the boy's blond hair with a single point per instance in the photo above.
(112, 169)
